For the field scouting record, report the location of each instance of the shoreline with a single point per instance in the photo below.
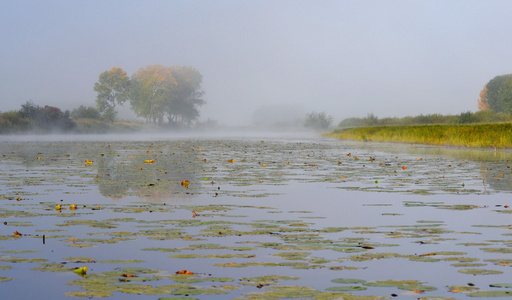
(488, 135)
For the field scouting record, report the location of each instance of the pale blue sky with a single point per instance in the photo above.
(347, 58)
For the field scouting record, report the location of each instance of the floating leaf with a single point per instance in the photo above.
(479, 272)
(81, 270)
(89, 294)
(501, 285)
(490, 294)
(5, 279)
(346, 288)
(348, 280)
(422, 288)
(497, 250)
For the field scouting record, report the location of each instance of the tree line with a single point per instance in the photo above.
(467, 117)
(171, 96)
(163, 96)
(159, 94)
(494, 105)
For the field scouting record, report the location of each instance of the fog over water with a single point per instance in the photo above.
(282, 59)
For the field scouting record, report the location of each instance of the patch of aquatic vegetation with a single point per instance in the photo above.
(286, 292)
(129, 281)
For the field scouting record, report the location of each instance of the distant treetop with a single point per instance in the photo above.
(497, 95)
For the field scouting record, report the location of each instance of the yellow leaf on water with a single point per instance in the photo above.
(81, 271)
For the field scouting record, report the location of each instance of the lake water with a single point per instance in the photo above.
(259, 217)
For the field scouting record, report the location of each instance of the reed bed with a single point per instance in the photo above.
(495, 135)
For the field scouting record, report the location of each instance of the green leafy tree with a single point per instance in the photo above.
(29, 110)
(318, 121)
(497, 94)
(184, 100)
(113, 87)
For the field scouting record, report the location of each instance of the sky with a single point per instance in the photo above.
(347, 58)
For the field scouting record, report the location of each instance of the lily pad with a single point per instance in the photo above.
(479, 272)
(5, 279)
(490, 294)
(393, 283)
(497, 250)
(501, 285)
(346, 288)
(423, 288)
(89, 294)
(348, 280)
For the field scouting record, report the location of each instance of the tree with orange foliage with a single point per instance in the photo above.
(482, 101)
(151, 87)
(174, 93)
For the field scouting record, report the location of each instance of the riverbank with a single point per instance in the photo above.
(496, 135)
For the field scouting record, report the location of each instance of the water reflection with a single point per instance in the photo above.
(153, 170)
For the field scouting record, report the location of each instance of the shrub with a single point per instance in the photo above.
(84, 112)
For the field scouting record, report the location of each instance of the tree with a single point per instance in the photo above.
(159, 92)
(497, 94)
(29, 110)
(183, 101)
(113, 87)
(318, 121)
(151, 86)
(482, 101)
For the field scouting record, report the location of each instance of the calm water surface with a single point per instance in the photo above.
(252, 218)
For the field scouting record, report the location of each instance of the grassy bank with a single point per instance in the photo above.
(498, 135)
(97, 126)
